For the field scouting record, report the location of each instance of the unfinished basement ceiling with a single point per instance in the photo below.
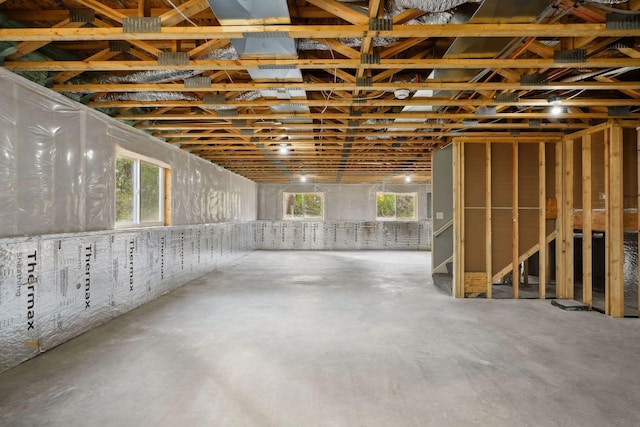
(357, 91)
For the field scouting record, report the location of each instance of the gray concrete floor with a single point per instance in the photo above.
(334, 339)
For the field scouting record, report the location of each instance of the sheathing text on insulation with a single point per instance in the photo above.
(342, 235)
(54, 288)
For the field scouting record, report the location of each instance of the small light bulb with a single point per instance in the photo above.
(283, 149)
(303, 178)
(556, 110)
(407, 178)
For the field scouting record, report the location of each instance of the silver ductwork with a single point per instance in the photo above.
(264, 45)
(431, 6)
(165, 76)
(147, 96)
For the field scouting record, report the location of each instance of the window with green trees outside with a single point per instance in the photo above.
(396, 206)
(139, 192)
(303, 206)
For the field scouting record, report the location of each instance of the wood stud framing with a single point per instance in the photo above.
(577, 159)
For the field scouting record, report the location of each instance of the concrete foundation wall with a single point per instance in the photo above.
(53, 288)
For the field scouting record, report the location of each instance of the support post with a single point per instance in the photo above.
(587, 235)
(515, 232)
(615, 235)
(560, 267)
(542, 222)
(488, 258)
(458, 219)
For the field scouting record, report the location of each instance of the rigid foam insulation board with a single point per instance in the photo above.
(341, 235)
(56, 287)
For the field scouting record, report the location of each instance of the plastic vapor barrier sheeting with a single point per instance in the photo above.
(57, 168)
(56, 287)
(342, 202)
(340, 235)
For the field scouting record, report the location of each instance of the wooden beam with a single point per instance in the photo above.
(566, 214)
(458, 221)
(407, 15)
(587, 235)
(183, 12)
(369, 116)
(144, 8)
(542, 221)
(615, 232)
(103, 55)
(348, 102)
(515, 227)
(25, 48)
(339, 47)
(610, 84)
(103, 10)
(401, 46)
(341, 10)
(304, 31)
(310, 64)
(560, 266)
(487, 221)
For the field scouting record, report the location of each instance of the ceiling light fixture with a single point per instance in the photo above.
(303, 178)
(407, 178)
(555, 102)
(283, 149)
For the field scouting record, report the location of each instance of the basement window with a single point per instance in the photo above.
(396, 206)
(140, 192)
(303, 205)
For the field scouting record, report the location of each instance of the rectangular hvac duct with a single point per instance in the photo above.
(251, 12)
(264, 45)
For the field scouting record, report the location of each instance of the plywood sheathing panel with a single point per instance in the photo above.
(501, 205)
(474, 176)
(474, 238)
(501, 171)
(597, 170)
(474, 212)
(577, 173)
(630, 167)
(528, 175)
